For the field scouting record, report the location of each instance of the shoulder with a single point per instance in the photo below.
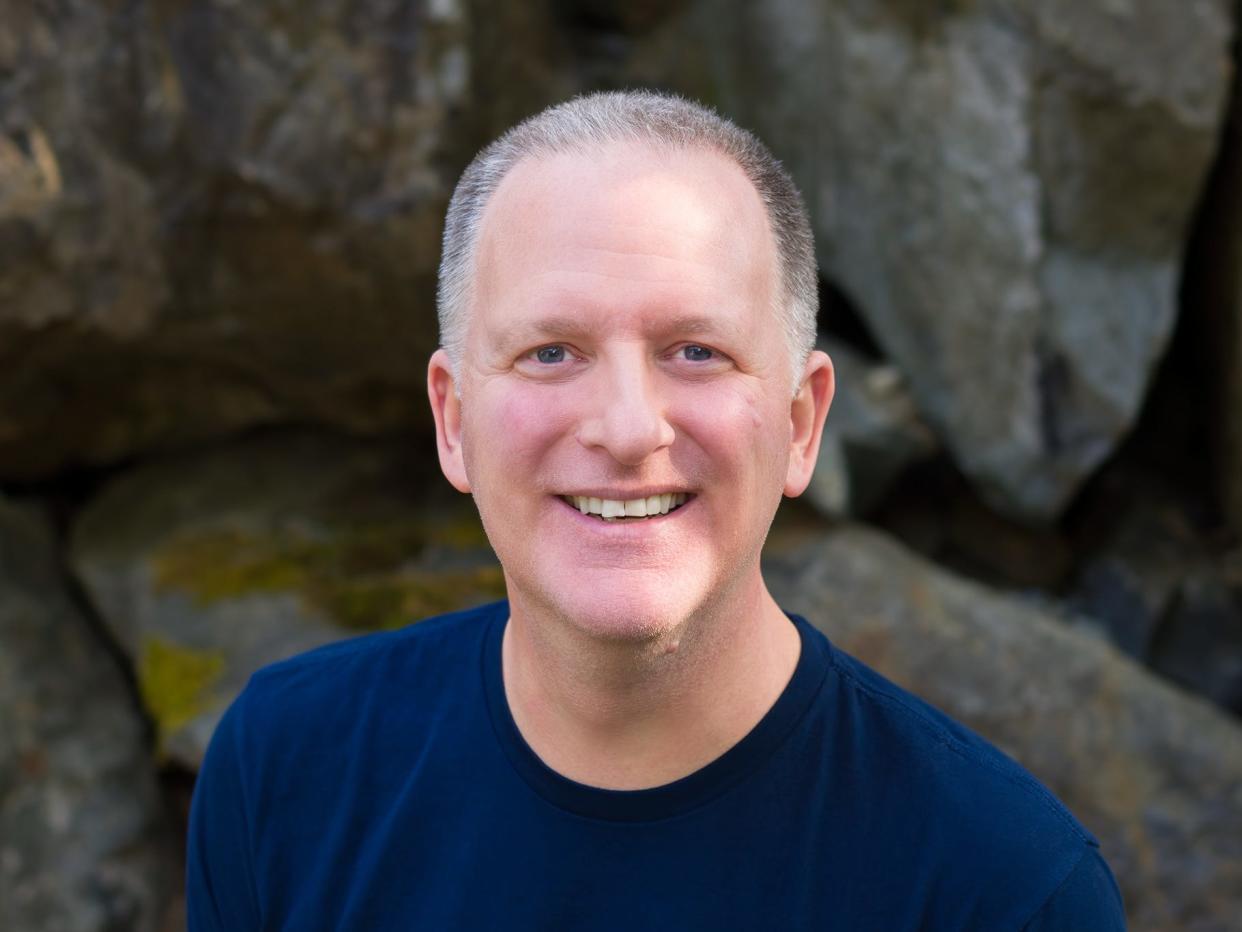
(1088, 898)
(327, 687)
(432, 642)
(961, 766)
(981, 833)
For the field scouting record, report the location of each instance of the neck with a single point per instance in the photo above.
(630, 715)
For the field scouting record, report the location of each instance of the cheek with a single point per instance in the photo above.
(741, 431)
(508, 429)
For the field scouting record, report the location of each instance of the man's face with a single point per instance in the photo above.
(623, 346)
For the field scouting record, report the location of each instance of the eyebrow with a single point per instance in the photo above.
(568, 326)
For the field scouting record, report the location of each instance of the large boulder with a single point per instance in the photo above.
(215, 215)
(1153, 772)
(84, 843)
(872, 435)
(1004, 190)
(207, 567)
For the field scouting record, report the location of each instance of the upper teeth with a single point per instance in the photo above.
(630, 508)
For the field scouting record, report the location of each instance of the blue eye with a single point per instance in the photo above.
(550, 354)
(697, 353)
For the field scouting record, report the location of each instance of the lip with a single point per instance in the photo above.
(625, 527)
(625, 495)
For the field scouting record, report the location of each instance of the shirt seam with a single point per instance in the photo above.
(950, 742)
(1055, 890)
(493, 720)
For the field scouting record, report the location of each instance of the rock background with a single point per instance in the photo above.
(219, 232)
(218, 215)
(1005, 190)
(85, 842)
(206, 567)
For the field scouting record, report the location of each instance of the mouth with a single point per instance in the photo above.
(633, 509)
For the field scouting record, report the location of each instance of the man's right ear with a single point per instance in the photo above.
(446, 409)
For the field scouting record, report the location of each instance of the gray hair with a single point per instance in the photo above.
(660, 120)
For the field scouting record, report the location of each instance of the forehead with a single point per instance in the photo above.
(625, 225)
(698, 190)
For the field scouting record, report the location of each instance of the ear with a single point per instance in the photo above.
(446, 409)
(806, 418)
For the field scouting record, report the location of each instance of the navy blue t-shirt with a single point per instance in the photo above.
(381, 784)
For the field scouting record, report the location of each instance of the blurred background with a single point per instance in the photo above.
(219, 230)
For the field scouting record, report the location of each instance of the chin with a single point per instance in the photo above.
(634, 623)
(622, 613)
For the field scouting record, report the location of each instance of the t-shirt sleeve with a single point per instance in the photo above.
(1087, 899)
(220, 883)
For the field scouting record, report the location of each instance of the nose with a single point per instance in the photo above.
(627, 417)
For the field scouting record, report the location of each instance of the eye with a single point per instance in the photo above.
(550, 362)
(696, 353)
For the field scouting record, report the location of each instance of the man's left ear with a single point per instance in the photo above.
(446, 409)
(806, 418)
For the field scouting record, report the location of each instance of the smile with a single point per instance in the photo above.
(611, 509)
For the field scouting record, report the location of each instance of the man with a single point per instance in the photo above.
(639, 737)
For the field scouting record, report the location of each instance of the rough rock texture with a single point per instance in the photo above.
(207, 567)
(1003, 189)
(217, 214)
(1169, 601)
(1213, 303)
(83, 842)
(1154, 773)
(873, 432)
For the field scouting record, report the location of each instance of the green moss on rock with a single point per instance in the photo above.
(224, 563)
(363, 576)
(176, 682)
(368, 604)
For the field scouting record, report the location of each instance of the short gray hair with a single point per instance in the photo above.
(660, 120)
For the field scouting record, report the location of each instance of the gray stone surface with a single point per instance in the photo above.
(873, 432)
(206, 567)
(84, 843)
(1004, 190)
(215, 215)
(1153, 772)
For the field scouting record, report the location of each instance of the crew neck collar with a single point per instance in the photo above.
(669, 799)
